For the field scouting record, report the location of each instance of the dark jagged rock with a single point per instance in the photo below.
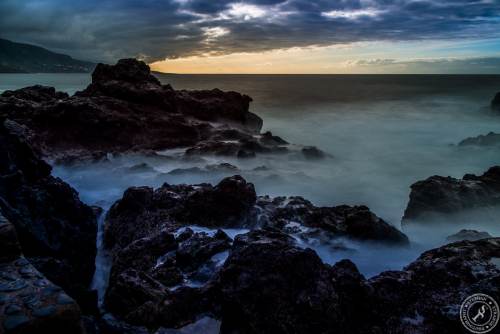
(126, 109)
(445, 195)
(29, 302)
(495, 103)
(132, 290)
(143, 271)
(56, 230)
(491, 139)
(268, 285)
(144, 211)
(356, 222)
(244, 148)
(426, 296)
(127, 70)
(471, 235)
(199, 248)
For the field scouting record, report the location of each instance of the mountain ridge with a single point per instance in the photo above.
(26, 58)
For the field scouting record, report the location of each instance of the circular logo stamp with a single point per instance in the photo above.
(479, 313)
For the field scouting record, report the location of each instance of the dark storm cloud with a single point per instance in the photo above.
(156, 29)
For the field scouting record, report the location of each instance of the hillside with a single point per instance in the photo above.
(26, 58)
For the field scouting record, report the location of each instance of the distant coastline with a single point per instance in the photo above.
(25, 58)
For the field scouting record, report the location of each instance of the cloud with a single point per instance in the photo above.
(159, 29)
(352, 14)
(471, 65)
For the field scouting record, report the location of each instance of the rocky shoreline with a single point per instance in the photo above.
(218, 256)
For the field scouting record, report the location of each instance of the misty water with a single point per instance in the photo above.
(383, 133)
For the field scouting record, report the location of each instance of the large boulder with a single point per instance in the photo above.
(445, 195)
(143, 211)
(29, 302)
(268, 285)
(57, 232)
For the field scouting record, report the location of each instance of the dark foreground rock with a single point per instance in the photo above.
(126, 109)
(144, 271)
(269, 285)
(165, 274)
(490, 139)
(56, 230)
(426, 296)
(445, 195)
(29, 302)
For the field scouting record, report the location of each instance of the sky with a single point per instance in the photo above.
(267, 36)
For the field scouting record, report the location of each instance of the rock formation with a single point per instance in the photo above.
(56, 230)
(269, 285)
(29, 302)
(445, 195)
(126, 109)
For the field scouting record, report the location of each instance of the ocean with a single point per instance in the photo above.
(382, 132)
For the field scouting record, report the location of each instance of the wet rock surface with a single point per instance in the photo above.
(445, 276)
(143, 211)
(446, 195)
(56, 230)
(298, 216)
(126, 109)
(29, 302)
(270, 285)
(144, 272)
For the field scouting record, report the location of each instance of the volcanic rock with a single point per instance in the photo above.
(143, 211)
(356, 222)
(29, 302)
(56, 230)
(268, 285)
(445, 276)
(445, 195)
(125, 109)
